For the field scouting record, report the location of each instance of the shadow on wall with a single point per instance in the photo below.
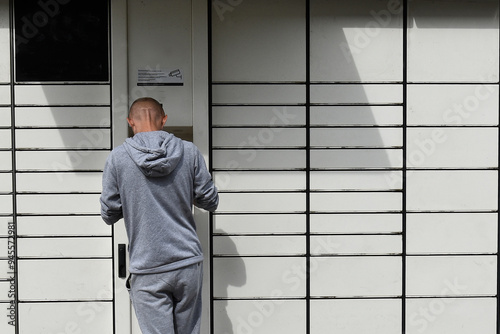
(235, 276)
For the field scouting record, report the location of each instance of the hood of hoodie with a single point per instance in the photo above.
(156, 153)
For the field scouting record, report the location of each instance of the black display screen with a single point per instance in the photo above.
(61, 40)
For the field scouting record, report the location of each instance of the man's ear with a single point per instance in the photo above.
(130, 122)
(163, 121)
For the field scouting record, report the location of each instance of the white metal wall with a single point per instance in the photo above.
(56, 260)
(355, 145)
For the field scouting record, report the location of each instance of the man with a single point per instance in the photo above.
(152, 180)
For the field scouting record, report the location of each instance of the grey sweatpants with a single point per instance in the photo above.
(169, 302)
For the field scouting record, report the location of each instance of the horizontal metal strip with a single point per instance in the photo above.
(303, 191)
(79, 236)
(71, 83)
(62, 127)
(309, 256)
(259, 104)
(452, 211)
(450, 296)
(51, 172)
(57, 193)
(57, 214)
(62, 105)
(69, 149)
(452, 83)
(299, 234)
(34, 301)
(260, 83)
(62, 258)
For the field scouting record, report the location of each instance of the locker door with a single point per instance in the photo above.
(164, 35)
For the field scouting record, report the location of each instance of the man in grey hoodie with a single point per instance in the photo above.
(151, 181)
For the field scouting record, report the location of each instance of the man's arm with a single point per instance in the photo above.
(205, 192)
(111, 205)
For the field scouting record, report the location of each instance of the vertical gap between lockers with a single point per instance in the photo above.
(308, 166)
(404, 171)
(210, 163)
(13, 159)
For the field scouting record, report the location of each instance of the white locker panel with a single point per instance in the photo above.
(356, 244)
(4, 226)
(4, 292)
(259, 180)
(239, 277)
(356, 223)
(356, 115)
(356, 316)
(243, 37)
(357, 94)
(5, 139)
(62, 94)
(5, 182)
(259, 159)
(63, 117)
(258, 116)
(4, 94)
(434, 275)
(62, 226)
(452, 191)
(5, 271)
(68, 160)
(63, 138)
(365, 46)
(356, 202)
(258, 138)
(354, 180)
(451, 315)
(453, 41)
(5, 118)
(6, 204)
(260, 316)
(259, 94)
(268, 245)
(5, 161)
(356, 137)
(4, 42)
(452, 104)
(356, 276)
(64, 247)
(451, 233)
(4, 247)
(66, 317)
(452, 147)
(5, 327)
(58, 204)
(261, 202)
(357, 158)
(59, 182)
(260, 224)
(81, 279)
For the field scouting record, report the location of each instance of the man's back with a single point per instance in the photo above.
(157, 177)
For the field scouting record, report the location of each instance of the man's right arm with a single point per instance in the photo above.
(205, 192)
(111, 205)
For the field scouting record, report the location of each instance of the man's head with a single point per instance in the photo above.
(146, 114)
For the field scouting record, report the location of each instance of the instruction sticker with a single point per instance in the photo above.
(160, 77)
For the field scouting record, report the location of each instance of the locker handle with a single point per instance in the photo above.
(122, 266)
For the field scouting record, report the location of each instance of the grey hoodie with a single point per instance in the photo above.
(152, 180)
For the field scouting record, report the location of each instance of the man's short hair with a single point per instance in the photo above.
(154, 105)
